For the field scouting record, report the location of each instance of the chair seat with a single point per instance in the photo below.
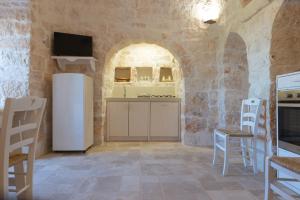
(17, 158)
(289, 163)
(234, 133)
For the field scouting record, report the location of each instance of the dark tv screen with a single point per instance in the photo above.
(66, 44)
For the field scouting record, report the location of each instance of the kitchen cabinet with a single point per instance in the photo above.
(143, 119)
(164, 119)
(117, 122)
(139, 113)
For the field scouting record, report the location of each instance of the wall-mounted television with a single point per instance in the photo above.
(66, 44)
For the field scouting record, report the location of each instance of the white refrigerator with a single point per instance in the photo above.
(73, 114)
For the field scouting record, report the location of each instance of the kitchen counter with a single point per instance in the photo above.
(143, 119)
(143, 99)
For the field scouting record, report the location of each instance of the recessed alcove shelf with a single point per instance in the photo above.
(122, 74)
(64, 61)
(166, 74)
(144, 74)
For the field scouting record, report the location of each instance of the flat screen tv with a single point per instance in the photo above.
(66, 44)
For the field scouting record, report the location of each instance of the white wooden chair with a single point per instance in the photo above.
(21, 121)
(250, 114)
(287, 165)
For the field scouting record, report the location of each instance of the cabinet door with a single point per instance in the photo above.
(118, 118)
(164, 119)
(139, 114)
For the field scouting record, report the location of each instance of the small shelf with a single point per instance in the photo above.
(165, 74)
(64, 61)
(122, 74)
(144, 73)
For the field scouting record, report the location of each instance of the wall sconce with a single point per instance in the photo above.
(210, 21)
(208, 11)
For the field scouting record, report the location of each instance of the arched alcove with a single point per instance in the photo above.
(138, 55)
(285, 49)
(235, 79)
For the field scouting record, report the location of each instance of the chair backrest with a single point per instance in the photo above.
(20, 125)
(250, 115)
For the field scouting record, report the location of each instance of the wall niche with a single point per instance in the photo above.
(122, 74)
(144, 73)
(235, 79)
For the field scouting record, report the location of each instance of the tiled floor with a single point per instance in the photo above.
(142, 171)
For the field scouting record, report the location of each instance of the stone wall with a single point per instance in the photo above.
(15, 24)
(285, 48)
(48, 17)
(234, 81)
(41, 69)
(269, 29)
(204, 52)
(169, 24)
(254, 23)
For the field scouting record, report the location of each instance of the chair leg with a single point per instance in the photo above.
(28, 193)
(215, 148)
(3, 182)
(244, 151)
(29, 181)
(20, 177)
(226, 155)
(265, 154)
(254, 156)
(269, 177)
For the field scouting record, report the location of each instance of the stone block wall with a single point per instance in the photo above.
(285, 49)
(48, 17)
(41, 69)
(199, 48)
(15, 23)
(117, 24)
(254, 23)
(234, 82)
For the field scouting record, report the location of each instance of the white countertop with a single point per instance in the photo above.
(143, 99)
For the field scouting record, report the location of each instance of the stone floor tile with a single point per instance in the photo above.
(130, 184)
(211, 185)
(187, 196)
(142, 171)
(151, 188)
(231, 195)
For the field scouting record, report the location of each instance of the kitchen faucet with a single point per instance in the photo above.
(124, 92)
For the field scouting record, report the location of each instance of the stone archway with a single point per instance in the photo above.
(235, 79)
(140, 54)
(285, 49)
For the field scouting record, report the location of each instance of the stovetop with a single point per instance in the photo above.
(156, 96)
